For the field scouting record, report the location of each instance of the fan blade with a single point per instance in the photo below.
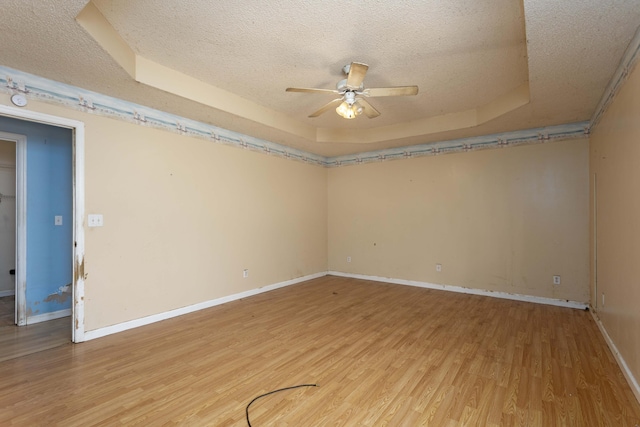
(310, 90)
(391, 91)
(369, 111)
(327, 107)
(356, 75)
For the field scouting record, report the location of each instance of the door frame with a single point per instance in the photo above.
(21, 225)
(77, 143)
(594, 299)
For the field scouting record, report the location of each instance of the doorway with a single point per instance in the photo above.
(55, 217)
(34, 242)
(7, 232)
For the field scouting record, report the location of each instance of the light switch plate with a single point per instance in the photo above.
(58, 220)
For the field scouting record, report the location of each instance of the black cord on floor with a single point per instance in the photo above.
(275, 391)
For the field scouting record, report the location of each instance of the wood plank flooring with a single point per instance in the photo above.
(19, 341)
(7, 311)
(381, 354)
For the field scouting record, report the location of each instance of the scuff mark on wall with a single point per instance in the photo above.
(62, 295)
(79, 271)
(79, 276)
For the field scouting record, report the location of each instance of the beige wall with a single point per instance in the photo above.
(502, 220)
(615, 159)
(184, 216)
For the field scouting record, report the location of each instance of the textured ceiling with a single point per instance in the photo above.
(463, 54)
(459, 54)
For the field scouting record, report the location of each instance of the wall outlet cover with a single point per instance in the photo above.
(95, 220)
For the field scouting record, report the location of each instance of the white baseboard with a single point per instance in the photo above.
(633, 383)
(48, 316)
(108, 330)
(8, 293)
(495, 294)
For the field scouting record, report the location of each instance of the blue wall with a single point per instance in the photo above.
(49, 193)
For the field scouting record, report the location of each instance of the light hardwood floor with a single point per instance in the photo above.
(24, 340)
(20, 341)
(381, 355)
(7, 311)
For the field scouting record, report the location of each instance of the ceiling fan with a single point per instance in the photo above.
(352, 93)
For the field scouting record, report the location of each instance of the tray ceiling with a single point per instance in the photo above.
(482, 67)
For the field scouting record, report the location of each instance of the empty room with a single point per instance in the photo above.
(324, 213)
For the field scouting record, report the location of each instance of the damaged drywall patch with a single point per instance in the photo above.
(62, 295)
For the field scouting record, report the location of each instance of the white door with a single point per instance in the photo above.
(7, 216)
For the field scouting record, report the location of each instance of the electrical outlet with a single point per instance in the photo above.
(348, 259)
(556, 280)
(95, 220)
(438, 268)
(245, 273)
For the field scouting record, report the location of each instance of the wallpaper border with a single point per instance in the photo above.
(41, 89)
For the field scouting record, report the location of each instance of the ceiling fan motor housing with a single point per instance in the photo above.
(341, 87)
(350, 97)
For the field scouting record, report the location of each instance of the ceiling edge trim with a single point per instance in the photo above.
(41, 89)
(627, 64)
(500, 140)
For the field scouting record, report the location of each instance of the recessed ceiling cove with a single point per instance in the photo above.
(468, 58)
(231, 62)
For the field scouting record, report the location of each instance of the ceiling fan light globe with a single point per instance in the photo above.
(359, 109)
(345, 110)
(348, 111)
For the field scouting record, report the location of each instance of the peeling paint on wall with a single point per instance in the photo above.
(61, 296)
(79, 270)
